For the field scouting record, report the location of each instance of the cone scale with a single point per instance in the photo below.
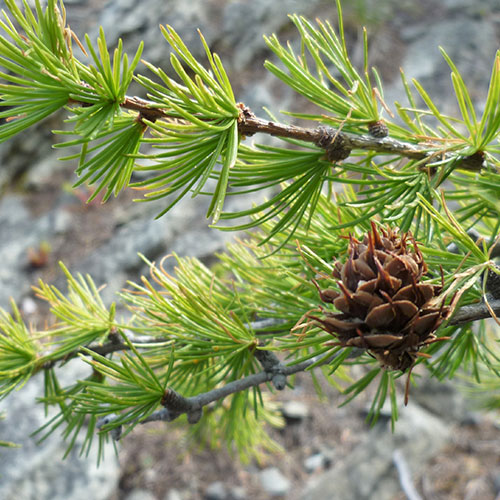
(384, 307)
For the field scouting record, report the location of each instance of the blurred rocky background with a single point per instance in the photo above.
(442, 447)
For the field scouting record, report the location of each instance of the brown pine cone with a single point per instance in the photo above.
(384, 308)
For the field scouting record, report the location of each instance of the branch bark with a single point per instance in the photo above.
(475, 312)
(175, 405)
(249, 124)
(465, 314)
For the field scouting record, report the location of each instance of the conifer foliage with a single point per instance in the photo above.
(355, 259)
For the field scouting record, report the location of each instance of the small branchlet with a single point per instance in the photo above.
(334, 142)
(378, 129)
(493, 282)
(176, 404)
(116, 432)
(272, 365)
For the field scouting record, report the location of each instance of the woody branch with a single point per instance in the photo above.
(331, 139)
(335, 141)
(463, 315)
(174, 404)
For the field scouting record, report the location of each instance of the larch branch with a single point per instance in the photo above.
(249, 124)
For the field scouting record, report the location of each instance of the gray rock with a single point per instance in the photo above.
(140, 494)
(21, 152)
(244, 24)
(237, 493)
(20, 231)
(238, 25)
(442, 398)
(477, 488)
(216, 491)
(173, 494)
(471, 44)
(368, 471)
(480, 7)
(274, 482)
(182, 231)
(295, 411)
(495, 479)
(142, 24)
(38, 471)
(257, 95)
(40, 175)
(472, 419)
(314, 462)
(28, 306)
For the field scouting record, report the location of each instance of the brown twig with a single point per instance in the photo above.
(145, 108)
(249, 124)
